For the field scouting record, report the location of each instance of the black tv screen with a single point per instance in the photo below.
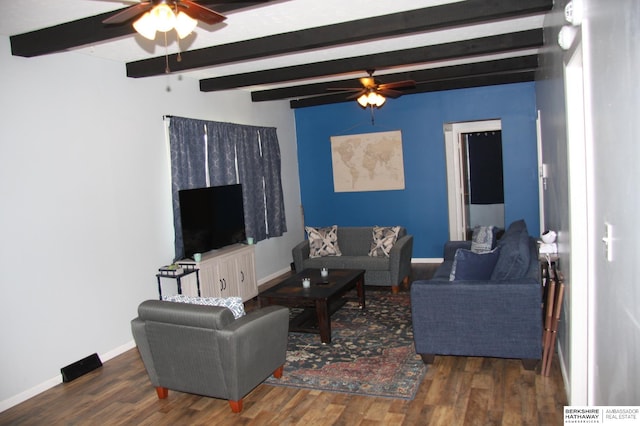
(211, 218)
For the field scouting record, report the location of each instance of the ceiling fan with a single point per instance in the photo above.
(164, 15)
(373, 93)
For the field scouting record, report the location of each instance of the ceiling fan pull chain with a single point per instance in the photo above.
(166, 55)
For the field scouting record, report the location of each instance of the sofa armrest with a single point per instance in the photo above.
(450, 248)
(400, 259)
(478, 318)
(300, 252)
(256, 345)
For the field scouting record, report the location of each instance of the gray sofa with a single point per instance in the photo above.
(355, 243)
(203, 350)
(496, 317)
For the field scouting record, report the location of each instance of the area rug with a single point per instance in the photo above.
(369, 354)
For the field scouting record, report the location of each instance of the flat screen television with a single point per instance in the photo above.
(211, 218)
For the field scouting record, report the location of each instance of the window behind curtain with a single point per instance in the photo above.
(229, 153)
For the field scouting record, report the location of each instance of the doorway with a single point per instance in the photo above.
(474, 176)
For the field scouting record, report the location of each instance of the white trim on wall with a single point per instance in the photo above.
(580, 214)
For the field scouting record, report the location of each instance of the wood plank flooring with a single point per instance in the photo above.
(455, 391)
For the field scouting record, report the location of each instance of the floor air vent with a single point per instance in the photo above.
(79, 368)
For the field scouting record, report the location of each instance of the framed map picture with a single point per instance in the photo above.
(367, 162)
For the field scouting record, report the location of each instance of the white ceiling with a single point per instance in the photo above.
(20, 16)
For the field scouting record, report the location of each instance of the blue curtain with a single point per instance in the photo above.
(209, 153)
(274, 199)
(188, 167)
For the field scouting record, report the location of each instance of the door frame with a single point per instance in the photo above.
(455, 170)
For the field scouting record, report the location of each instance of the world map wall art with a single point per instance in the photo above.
(367, 162)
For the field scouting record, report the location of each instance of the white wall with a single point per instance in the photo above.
(608, 358)
(86, 206)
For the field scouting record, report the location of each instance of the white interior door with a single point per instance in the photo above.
(456, 160)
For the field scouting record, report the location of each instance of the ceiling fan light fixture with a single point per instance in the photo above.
(363, 100)
(146, 26)
(379, 100)
(185, 24)
(163, 17)
(372, 99)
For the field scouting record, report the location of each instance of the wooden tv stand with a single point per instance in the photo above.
(225, 272)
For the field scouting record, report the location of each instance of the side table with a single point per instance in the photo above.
(178, 277)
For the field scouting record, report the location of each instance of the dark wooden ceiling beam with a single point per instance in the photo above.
(516, 64)
(414, 21)
(455, 83)
(460, 49)
(91, 30)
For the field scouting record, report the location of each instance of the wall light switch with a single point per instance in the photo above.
(608, 241)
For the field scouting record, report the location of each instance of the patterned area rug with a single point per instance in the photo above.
(370, 354)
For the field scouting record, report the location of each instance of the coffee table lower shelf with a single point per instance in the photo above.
(307, 320)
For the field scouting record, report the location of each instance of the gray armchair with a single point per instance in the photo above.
(203, 350)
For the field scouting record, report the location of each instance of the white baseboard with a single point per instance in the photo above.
(272, 276)
(427, 260)
(565, 375)
(117, 351)
(48, 384)
(30, 393)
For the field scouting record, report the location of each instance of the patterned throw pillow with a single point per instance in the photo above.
(483, 239)
(323, 241)
(234, 304)
(383, 240)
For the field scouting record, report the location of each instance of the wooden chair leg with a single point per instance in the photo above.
(162, 392)
(529, 364)
(428, 358)
(236, 406)
(395, 289)
(405, 282)
(278, 373)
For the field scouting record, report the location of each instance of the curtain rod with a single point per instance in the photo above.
(164, 117)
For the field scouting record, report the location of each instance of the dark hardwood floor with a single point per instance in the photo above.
(455, 391)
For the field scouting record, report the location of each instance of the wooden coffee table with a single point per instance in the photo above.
(322, 299)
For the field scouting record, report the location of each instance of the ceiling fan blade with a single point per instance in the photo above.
(345, 89)
(128, 13)
(200, 13)
(357, 95)
(397, 85)
(387, 93)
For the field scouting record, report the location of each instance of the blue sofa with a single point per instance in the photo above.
(496, 317)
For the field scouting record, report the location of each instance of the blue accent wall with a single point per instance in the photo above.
(422, 206)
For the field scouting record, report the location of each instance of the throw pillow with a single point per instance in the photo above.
(234, 304)
(515, 255)
(323, 241)
(516, 228)
(483, 239)
(383, 240)
(468, 265)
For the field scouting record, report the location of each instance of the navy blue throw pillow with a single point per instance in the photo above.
(468, 265)
(513, 262)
